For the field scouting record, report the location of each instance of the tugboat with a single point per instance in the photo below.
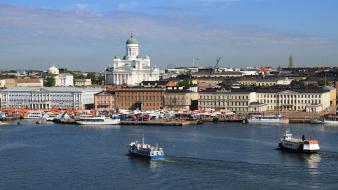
(298, 145)
(146, 151)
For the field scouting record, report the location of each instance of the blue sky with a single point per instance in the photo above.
(86, 34)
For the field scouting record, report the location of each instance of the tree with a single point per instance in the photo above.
(49, 81)
(187, 83)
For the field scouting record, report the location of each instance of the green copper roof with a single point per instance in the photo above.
(132, 40)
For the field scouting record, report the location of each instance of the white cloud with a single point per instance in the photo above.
(48, 27)
(81, 5)
(116, 26)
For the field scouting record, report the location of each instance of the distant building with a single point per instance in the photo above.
(64, 79)
(177, 98)
(82, 82)
(290, 61)
(212, 73)
(214, 99)
(132, 69)
(105, 100)
(7, 83)
(160, 83)
(142, 98)
(29, 82)
(52, 70)
(305, 99)
(240, 100)
(48, 97)
(26, 82)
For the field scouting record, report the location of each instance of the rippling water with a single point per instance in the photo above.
(210, 156)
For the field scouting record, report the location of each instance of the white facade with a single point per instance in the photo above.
(53, 70)
(47, 97)
(132, 69)
(64, 79)
(295, 101)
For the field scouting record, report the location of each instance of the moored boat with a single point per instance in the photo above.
(96, 120)
(50, 116)
(268, 119)
(317, 121)
(146, 151)
(3, 123)
(330, 122)
(330, 119)
(33, 115)
(298, 145)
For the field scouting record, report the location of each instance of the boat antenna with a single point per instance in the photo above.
(143, 139)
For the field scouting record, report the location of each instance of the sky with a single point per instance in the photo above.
(87, 34)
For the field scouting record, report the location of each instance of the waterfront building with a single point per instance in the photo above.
(142, 98)
(105, 100)
(48, 97)
(213, 99)
(333, 94)
(177, 98)
(240, 99)
(132, 69)
(64, 79)
(82, 82)
(304, 99)
(236, 100)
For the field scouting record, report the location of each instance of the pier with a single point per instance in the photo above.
(162, 122)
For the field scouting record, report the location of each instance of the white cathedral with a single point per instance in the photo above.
(132, 69)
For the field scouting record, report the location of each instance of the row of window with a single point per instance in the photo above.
(151, 98)
(289, 96)
(292, 101)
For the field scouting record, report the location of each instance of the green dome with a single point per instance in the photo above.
(132, 40)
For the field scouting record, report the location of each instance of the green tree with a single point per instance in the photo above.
(187, 83)
(49, 81)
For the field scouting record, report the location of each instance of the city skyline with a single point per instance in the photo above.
(85, 35)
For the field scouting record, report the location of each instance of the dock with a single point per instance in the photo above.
(162, 122)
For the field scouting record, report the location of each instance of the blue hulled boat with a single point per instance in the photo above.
(145, 151)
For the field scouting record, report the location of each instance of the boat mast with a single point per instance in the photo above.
(143, 139)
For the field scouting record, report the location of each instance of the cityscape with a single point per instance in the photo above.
(219, 105)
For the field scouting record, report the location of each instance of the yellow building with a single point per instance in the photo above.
(82, 82)
(104, 100)
(26, 82)
(178, 99)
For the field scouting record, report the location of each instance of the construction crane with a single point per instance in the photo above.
(218, 60)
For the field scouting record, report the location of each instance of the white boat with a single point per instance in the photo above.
(268, 119)
(96, 120)
(317, 121)
(49, 116)
(33, 115)
(298, 145)
(330, 122)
